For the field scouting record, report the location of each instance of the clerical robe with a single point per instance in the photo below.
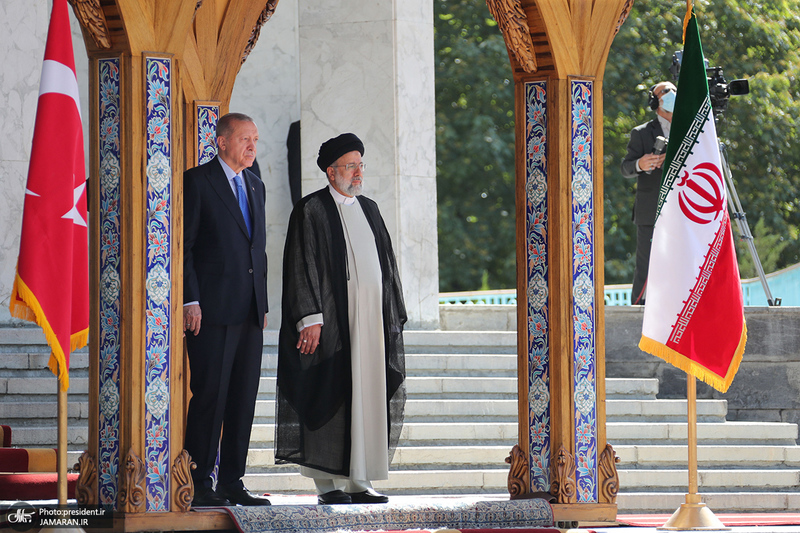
(324, 422)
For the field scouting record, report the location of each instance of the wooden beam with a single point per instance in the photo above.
(173, 20)
(240, 19)
(138, 21)
(557, 18)
(602, 31)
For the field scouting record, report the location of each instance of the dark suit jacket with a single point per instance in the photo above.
(648, 184)
(222, 268)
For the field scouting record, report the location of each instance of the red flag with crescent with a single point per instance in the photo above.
(51, 286)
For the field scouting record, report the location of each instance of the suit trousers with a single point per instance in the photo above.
(225, 364)
(644, 240)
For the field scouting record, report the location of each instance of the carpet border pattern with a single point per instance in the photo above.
(532, 513)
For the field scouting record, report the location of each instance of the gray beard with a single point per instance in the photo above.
(352, 190)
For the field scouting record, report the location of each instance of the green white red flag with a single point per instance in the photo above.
(694, 311)
(51, 286)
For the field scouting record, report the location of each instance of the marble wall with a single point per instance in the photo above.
(267, 89)
(335, 65)
(368, 68)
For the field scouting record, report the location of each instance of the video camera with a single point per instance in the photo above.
(718, 88)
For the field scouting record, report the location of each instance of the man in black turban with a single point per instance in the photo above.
(341, 366)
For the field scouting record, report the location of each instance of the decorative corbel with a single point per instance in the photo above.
(182, 472)
(518, 474)
(90, 14)
(269, 10)
(563, 484)
(132, 495)
(609, 478)
(86, 488)
(513, 23)
(626, 10)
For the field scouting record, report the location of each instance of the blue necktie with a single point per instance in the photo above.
(241, 196)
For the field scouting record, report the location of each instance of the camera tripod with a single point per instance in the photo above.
(737, 213)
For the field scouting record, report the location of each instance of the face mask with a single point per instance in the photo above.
(668, 102)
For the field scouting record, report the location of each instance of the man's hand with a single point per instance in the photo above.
(191, 318)
(309, 339)
(265, 322)
(650, 162)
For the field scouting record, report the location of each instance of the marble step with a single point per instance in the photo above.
(752, 456)
(16, 387)
(455, 410)
(638, 457)
(454, 342)
(618, 433)
(742, 501)
(489, 386)
(459, 364)
(504, 434)
(494, 480)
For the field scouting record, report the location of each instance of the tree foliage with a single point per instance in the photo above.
(474, 149)
(759, 42)
(475, 129)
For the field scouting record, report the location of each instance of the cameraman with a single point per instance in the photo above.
(644, 165)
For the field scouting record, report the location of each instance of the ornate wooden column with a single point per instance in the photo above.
(558, 50)
(160, 75)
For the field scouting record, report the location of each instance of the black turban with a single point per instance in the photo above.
(333, 149)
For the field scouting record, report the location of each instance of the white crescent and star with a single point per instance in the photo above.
(60, 79)
(74, 213)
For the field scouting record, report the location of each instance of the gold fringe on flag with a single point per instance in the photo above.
(25, 305)
(687, 17)
(678, 360)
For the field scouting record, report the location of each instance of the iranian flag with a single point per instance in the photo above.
(51, 286)
(694, 312)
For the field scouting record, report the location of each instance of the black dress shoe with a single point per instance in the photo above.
(205, 497)
(241, 496)
(333, 497)
(368, 496)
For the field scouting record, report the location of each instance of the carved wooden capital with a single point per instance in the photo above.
(269, 10)
(90, 14)
(182, 472)
(609, 478)
(563, 484)
(518, 474)
(86, 488)
(513, 23)
(132, 495)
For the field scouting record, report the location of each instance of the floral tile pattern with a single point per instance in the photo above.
(583, 290)
(536, 222)
(158, 280)
(108, 116)
(207, 118)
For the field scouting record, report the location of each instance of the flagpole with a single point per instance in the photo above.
(61, 454)
(693, 514)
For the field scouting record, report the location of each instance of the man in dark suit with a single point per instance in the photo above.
(225, 292)
(641, 163)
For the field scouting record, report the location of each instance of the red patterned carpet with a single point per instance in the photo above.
(729, 519)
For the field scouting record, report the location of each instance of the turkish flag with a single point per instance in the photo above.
(51, 286)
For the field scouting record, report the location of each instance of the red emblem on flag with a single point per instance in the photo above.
(702, 198)
(51, 286)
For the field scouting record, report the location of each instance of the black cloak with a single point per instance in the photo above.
(314, 391)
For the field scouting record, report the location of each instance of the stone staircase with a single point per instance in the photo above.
(461, 423)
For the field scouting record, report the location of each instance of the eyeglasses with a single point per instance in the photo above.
(352, 166)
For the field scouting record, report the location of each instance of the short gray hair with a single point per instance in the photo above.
(225, 124)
